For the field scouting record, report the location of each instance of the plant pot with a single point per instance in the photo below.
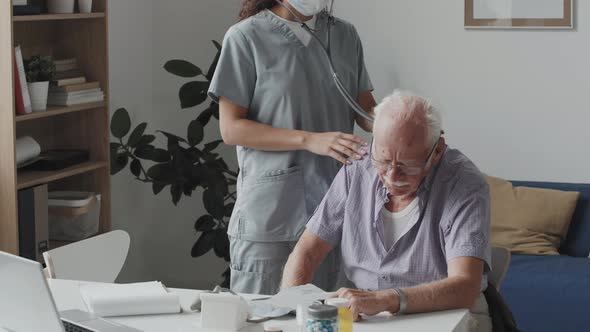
(38, 92)
(60, 6)
(85, 6)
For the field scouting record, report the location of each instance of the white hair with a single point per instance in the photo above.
(407, 105)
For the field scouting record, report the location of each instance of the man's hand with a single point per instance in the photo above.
(369, 302)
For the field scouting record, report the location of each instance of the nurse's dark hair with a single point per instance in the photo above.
(253, 7)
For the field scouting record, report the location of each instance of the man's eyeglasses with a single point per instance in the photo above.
(384, 166)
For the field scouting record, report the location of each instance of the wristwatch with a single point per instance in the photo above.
(403, 301)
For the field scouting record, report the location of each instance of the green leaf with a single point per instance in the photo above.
(195, 133)
(212, 145)
(229, 208)
(193, 93)
(120, 123)
(217, 45)
(160, 155)
(221, 246)
(114, 148)
(205, 116)
(160, 172)
(119, 162)
(182, 68)
(136, 135)
(144, 151)
(213, 65)
(203, 244)
(213, 201)
(176, 193)
(189, 188)
(226, 277)
(205, 223)
(146, 139)
(135, 167)
(115, 166)
(157, 187)
(215, 110)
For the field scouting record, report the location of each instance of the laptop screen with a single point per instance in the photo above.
(26, 303)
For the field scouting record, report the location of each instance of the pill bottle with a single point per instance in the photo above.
(322, 318)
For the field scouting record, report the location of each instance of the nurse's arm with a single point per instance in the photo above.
(305, 259)
(237, 129)
(368, 103)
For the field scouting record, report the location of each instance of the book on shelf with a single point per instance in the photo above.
(65, 64)
(33, 226)
(20, 10)
(68, 81)
(75, 87)
(18, 93)
(24, 89)
(60, 75)
(66, 67)
(67, 61)
(68, 100)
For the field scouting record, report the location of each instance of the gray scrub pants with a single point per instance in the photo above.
(257, 267)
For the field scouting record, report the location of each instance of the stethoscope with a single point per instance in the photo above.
(326, 50)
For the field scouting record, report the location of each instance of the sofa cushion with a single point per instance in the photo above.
(529, 220)
(548, 293)
(577, 241)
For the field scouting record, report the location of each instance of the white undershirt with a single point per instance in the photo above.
(395, 223)
(297, 29)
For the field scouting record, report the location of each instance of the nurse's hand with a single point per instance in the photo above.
(337, 145)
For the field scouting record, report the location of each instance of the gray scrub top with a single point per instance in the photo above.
(266, 69)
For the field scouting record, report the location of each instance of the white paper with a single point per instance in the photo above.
(525, 9)
(304, 295)
(144, 298)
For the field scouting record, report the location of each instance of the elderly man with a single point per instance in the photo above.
(412, 221)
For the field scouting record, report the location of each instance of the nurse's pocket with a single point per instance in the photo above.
(272, 205)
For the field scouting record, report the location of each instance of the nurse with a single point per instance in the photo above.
(292, 128)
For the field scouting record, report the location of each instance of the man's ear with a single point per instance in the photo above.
(440, 147)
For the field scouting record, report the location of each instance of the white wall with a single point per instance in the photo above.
(143, 36)
(511, 100)
(514, 101)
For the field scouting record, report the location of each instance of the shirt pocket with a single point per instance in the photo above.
(272, 206)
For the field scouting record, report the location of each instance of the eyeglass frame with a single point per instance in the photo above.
(398, 168)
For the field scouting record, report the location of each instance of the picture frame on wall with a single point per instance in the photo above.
(519, 14)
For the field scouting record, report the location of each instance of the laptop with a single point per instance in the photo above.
(26, 303)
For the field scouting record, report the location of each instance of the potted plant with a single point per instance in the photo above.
(186, 163)
(39, 70)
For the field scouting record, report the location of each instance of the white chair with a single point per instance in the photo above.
(500, 262)
(99, 258)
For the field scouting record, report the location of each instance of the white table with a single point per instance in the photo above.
(67, 296)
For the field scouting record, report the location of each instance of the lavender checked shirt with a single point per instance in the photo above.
(454, 221)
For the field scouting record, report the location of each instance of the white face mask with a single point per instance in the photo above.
(309, 7)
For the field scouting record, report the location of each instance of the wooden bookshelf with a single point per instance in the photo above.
(56, 17)
(33, 178)
(56, 110)
(84, 126)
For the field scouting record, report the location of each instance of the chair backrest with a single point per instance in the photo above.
(98, 258)
(500, 262)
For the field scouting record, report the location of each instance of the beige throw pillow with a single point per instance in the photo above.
(529, 220)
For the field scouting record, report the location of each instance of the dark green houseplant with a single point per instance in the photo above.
(186, 163)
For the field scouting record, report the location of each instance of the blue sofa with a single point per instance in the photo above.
(552, 293)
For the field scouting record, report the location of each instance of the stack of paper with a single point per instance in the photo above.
(144, 298)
